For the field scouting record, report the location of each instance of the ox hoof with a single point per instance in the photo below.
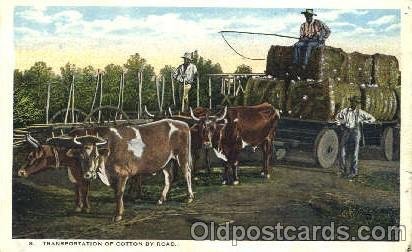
(78, 209)
(117, 218)
(262, 174)
(267, 176)
(236, 182)
(189, 200)
(224, 182)
(159, 202)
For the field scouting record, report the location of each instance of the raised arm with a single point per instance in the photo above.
(324, 30)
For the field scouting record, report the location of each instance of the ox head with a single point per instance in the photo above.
(42, 157)
(208, 126)
(87, 154)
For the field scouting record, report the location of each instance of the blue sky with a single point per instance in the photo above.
(102, 35)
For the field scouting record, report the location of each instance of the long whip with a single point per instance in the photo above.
(256, 33)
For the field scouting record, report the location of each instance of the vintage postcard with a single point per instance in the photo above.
(195, 125)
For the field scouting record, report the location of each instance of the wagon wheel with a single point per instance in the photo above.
(79, 116)
(387, 143)
(107, 114)
(326, 148)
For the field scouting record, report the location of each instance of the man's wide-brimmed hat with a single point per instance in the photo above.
(187, 55)
(308, 12)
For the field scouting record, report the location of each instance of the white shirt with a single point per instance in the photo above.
(186, 76)
(352, 118)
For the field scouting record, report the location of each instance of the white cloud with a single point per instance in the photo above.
(27, 32)
(333, 15)
(393, 27)
(359, 32)
(36, 14)
(382, 20)
(341, 24)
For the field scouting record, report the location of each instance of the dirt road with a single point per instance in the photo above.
(295, 195)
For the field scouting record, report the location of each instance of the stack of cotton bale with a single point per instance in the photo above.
(325, 62)
(319, 100)
(358, 68)
(278, 61)
(375, 77)
(260, 90)
(385, 70)
(381, 102)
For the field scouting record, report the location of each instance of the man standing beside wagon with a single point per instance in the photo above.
(351, 119)
(186, 75)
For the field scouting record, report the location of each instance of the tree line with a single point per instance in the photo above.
(30, 87)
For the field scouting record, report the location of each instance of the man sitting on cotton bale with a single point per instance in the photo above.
(185, 74)
(313, 34)
(351, 120)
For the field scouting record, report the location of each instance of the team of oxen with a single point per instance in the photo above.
(116, 154)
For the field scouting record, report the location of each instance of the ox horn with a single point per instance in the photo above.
(89, 140)
(220, 118)
(193, 115)
(147, 112)
(32, 141)
(61, 141)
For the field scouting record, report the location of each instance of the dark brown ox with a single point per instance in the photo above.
(244, 125)
(57, 152)
(140, 150)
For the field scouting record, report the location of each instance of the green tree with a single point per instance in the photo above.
(111, 80)
(205, 67)
(243, 69)
(30, 89)
(167, 72)
(134, 65)
(85, 84)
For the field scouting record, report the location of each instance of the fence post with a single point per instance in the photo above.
(163, 92)
(48, 103)
(210, 92)
(68, 103)
(197, 92)
(158, 92)
(140, 92)
(73, 101)
(101, 97)
(173, 89)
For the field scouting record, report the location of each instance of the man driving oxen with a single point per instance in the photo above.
(313, 34)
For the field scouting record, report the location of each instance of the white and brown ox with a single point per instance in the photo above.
(244, 125)
(58, 152)
(197, 143)
(143, 149)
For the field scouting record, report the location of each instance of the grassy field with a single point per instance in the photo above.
(295, 195)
